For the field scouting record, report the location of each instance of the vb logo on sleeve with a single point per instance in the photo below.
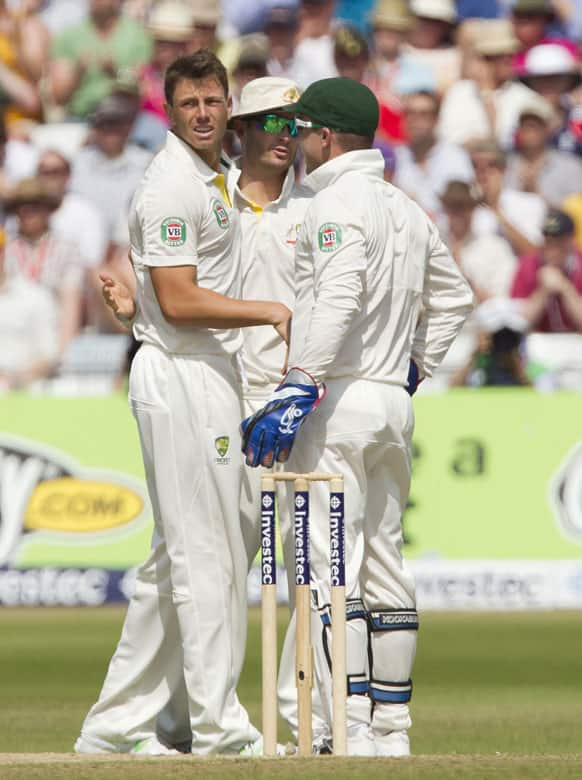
(173, 231)
(329, 237)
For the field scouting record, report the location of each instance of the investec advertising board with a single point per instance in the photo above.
(494, 519)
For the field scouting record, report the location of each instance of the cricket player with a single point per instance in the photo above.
(186, 623)
(271, 205)
(379, 300)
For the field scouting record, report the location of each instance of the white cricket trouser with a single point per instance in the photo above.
(363, 430)
(186, 622)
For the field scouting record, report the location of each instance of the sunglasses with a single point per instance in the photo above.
(274, 124)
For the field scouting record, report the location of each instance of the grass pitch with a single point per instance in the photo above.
(496, 695)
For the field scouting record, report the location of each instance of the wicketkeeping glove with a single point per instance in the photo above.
(268, 435)
(412, 381)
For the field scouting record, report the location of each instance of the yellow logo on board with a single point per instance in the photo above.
(74, 505)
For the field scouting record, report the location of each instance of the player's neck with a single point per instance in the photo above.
(259, 187)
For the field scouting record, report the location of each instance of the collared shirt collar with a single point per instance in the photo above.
(367, 161)
(234, 190)
(182, 151)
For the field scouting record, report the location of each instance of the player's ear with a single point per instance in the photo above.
(229, 106)
(239, 128)
(326, 135)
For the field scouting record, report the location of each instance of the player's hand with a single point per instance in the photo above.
(118, 297)
(282, 321)
(268, 435)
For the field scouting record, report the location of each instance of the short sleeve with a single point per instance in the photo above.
(170, 224)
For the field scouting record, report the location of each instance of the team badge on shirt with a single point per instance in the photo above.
(221, 444)
(173, 231)
(221, 214)
(329, 237)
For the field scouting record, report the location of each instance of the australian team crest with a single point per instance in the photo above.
(221, 444)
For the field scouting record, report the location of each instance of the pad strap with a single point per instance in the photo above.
(390, 692)
(393, 620)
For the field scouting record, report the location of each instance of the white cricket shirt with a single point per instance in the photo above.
(368, 262)
(180, 215)
(269, 235)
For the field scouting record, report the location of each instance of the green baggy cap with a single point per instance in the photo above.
(341, 104)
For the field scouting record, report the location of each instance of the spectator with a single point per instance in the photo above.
(87, 58)
(171, 27)
(206, 17)
(397, 72)
(531, 20)
(39, 255)
(489, 106)
(75, 218)
(498, 359)
(281, 26)
(20, 65)
(550, 280)
(313, 58)
(58, 15)
(108, 170)
(553, 72)
(534, 166)
(251, 62)
(389, 158)
(425, 165)
(351, 53)
(431, 40)
(487, 261)
(28, 330)
(517, 216)
(394, 73)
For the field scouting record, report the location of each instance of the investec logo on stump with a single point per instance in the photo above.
(337, 539)
(302, 573)
(268, 565)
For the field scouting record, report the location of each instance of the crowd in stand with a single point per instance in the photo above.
(480, 123)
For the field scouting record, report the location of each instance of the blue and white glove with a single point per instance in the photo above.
(268, 435)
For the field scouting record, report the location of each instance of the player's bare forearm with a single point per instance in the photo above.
(183, 302)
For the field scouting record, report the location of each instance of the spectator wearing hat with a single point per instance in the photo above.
(431, 40)
(87, 58)
(487, 261)
(313, 58)
(498, 360)
(550, 280)
(531, 20)
(75, 218)
(554, 73)
(489, 105)
(108, 170)
(515, 215)
(281, 24)
(424, 165)
(29, 343)
(534, 166)
(206, 17)
(351, 53)
(171, 26)
(41, 256)
(393, 72)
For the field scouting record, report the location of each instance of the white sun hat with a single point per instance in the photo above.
(549, 59)
(443, 10)
(269, 93)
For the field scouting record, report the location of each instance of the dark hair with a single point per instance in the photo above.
(427, 94)
(200, 65)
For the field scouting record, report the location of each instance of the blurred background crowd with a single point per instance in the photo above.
(480, 123)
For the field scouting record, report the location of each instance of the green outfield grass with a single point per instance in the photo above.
(496, 695)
